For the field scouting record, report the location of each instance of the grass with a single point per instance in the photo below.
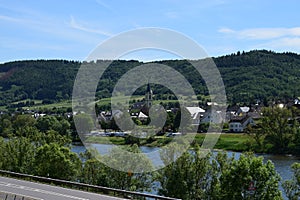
(232, 142)
(65, 104)
(107, 101)
(228, 141)
(24, 101)
(105, 140)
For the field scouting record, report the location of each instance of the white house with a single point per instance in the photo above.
(238, 124)
(196, 113)
(211, 116)
(108, 115)
(142, 116)
(243, 110)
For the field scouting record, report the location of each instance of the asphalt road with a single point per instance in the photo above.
(46, 192)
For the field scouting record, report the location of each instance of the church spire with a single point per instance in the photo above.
(149, 96)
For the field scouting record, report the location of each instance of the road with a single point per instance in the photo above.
(46, 192)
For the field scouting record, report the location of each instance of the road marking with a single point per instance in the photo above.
(22, 195)
(55, 187)
(39, 190)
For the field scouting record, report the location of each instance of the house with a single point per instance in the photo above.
(231, 112)
(196, 114)
(137, 105)
(142, 116)
(235, 111)
(212, 116)
(108, 115)
(239, 123)
(144, 106)
(37, 115)
(243, 110)
(255, 112)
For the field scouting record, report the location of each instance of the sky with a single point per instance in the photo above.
(72, 29)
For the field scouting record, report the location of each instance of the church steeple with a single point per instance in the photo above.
(149, 96)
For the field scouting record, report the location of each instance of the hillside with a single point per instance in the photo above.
(255, 75)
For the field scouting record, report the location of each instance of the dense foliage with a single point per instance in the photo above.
(248, 77)
(277, 131)
(191, 176)
(198, 176)
(292, 187)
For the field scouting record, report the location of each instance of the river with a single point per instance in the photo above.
(282, 162)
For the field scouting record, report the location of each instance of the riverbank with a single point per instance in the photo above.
(226, 141)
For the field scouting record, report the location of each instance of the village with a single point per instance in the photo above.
(237, 118)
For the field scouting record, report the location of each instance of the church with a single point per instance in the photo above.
(140, 110)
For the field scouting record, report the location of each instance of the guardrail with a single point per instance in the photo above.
(88, 187)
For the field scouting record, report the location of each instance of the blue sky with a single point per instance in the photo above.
(71, 29)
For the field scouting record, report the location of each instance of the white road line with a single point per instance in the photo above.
(56, 187)
(22, 195)
(39, 190)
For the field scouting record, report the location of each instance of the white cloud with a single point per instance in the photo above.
(10, 19)
(23, 21)
(282, 44)
(277, 39)
(74, 24)
(262, 33)
(226, 30)
(105, 5)
(46, 30)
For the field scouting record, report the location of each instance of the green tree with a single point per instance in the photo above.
(22, 123)
(195, 176)
(18, 155)
(169, 125)
(6, 128)
(84, 123)
(183, 120)
(105, 125)
(250, 173)
(257, 134)
(292, 187)
(93, 170)
(64, 128)
(127, 179)
(2, 151)
(185, 178)
(56, 161)
(124, 122)
(277, 128)
(59, 124)
(52, 136)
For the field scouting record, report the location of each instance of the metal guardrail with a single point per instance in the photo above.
(105, 190)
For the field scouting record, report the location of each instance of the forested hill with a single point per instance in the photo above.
(255, 75)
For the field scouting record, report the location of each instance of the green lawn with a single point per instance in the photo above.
(233, 142)
(66, 104)
(106, 140)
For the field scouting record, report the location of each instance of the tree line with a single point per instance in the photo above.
(248, 77)
(191, 176)
(276, 132)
